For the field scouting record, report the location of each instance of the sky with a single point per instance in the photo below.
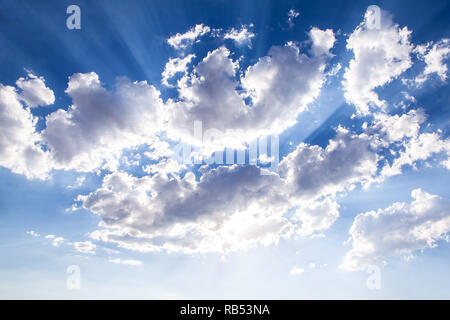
(224, 149)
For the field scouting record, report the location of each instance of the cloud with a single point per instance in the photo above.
(19, 146)
(434, 56)
(401, 136)
(317, 216)
(93, 132)
(397, 127)
(296, 271)
(174, 66)
(56, 241)
(126, 262)
(291, 16)
(334, 70)
(34, 92)
(86, 247)
(242, 37)
(231, 207)
(400, 229)
(223, 208)
(420, 146)
(166, 166)
(313, 172)
(78, 183)
(446, 163)
(100, 124)
(183, 40)
(322, 41)
(380, 55)
(280, 86)
(33, 233)
(235, 207)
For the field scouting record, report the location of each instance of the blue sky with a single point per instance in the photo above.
(90, 119)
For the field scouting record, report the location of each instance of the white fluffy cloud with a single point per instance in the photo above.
(395, 127)
(183, 40)
(232, 207)
(420, 148)
(313, 172)
(401, 136)
(402, 228)
(166, 166)
(19, 143)
(100, 124)
(417, 146)
(446, 163)
(322, 41)
(280, 86)
(380, 55)
(242, 37)
(229, 207)
(34, 92)
(317, 216)
(174, 66)
(434, 56)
